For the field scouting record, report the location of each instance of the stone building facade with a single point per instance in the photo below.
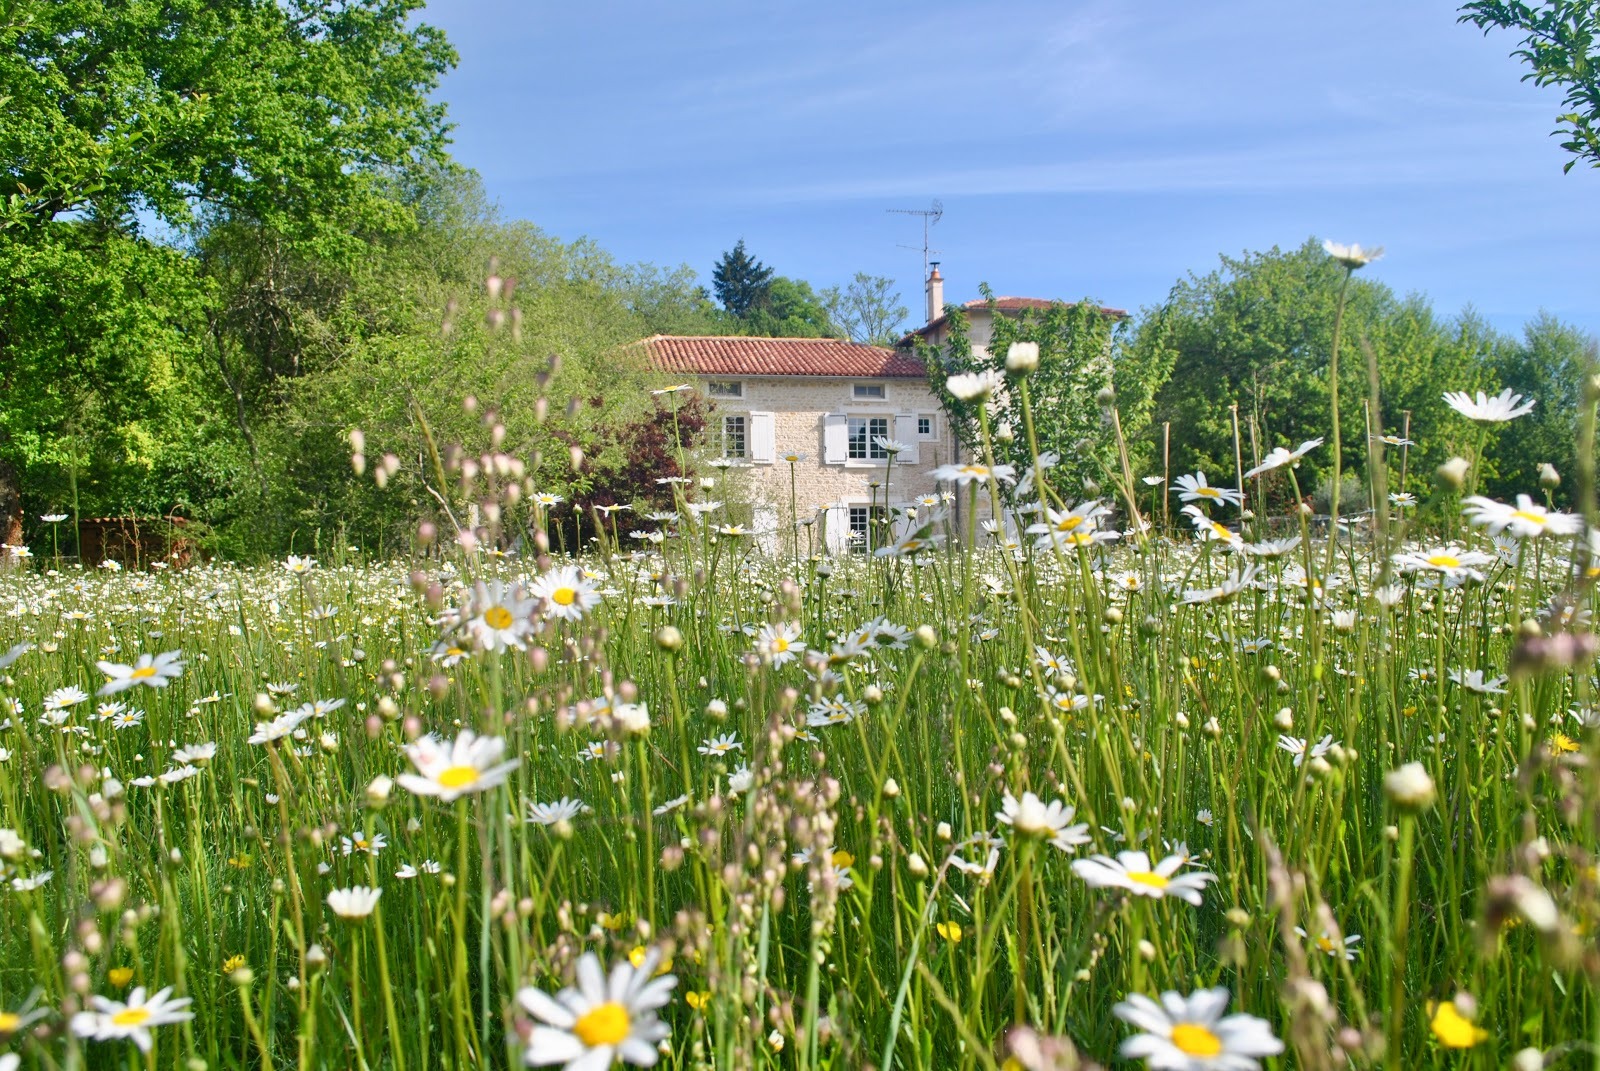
(825, 402)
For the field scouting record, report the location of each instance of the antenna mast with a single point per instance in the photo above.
(931, 215)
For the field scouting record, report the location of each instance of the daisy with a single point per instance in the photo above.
(298, 566)
(1031, 817)
(1472, 680)
(601, 1020)
(962, 475)
(1332, 945)
(1449, 560)
(1525, 520)
(1497, 410)
(153, 671)
(1195, 489)
(279, 727)
(62, 698)
(360, 842)
(780, 644)
(112, 1020)
(1133, 872)
(1297, 747)
(566, 593)
(562, 810)
(450, 770)
(498, 616)
(1191, 1033)
(1352, 256)
(972, 386)
(1280, 457)
(1209, 530)
(721, 745)
(1236, 582)
(354, 903)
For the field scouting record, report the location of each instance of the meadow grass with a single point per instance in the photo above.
(801, 785)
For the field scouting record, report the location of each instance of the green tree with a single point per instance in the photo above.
(1547, 364)
(1560, 44)
(789, 309)
(134, 130)
(867, 310)
(741, 282)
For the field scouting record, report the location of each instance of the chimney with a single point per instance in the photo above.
(935, 293)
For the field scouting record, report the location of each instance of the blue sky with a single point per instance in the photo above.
(1091, 148)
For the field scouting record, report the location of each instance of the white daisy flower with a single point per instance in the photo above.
(450, 770)
(1192, 1034)
(1133, 871)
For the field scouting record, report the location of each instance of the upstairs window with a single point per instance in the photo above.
(869, 392)
(864, 435)
(725, 388)
(924, 427)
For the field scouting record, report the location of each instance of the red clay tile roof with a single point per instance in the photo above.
(743, 356)
(1006, 304)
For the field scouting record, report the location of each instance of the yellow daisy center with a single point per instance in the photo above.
(497, 617)
(564, 596)
(1192, 1039)
(1149, 878)
(780, 645)
(604, 1024)
(142, 672)
(1206, 492)
(9, 1021)
(1325, 943)
(1444, 561)
(131, 1017)
(458, 776)
(1068, 523)
(1532, 518)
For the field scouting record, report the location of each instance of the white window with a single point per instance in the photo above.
(869, 391)
(925, 426)
(861, 519)
(735, 437)
(725, 388)
(864, 435)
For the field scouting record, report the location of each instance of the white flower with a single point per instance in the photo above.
(1236, 582)
(360, 842)
(354, 903)
(1191, 1033)
(298, 566)
(1196, 489)
(1352, 256)
(195, 754)
(498, 616)
(971, 386)
(1297, 747)
(1031, 817)
(720, 745)
(1472, 680)
(1497, 410)
(62, 698)
(1410, 786)
(562, 810)
(567, 594)
(1022, 357)
(279, 727)
(740, 780)
(1449, 560)
(469, 764)
(962, 475)
(601, 1020)
(153, 671)
(112, 1020)
(779, 644)
(1525, 520)
(1134, 872)
(1338, 947)
(1281, 457)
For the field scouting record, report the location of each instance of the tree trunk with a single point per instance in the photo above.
(10, 505)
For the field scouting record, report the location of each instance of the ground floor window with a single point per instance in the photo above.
(864, 435)
(861, 521)
(735, 437)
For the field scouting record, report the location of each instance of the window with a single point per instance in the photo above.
(735, 439)
(861, 518)
(924, 427)
(869, 392)
(864, 434)
(725, 388)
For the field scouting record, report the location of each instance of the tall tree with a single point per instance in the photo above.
(741, 282)
(1561, 43)
(868, 309)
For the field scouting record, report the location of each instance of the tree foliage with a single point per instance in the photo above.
(740, 280)
(868, 310)
(1561, 45)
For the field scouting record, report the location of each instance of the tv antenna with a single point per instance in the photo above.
(930, 215)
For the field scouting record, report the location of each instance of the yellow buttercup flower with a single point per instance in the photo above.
(697, 1000)
(232, 963)
(1454, 1030)
(120, 976)
(950, 931)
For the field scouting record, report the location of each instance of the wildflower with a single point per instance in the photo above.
(1195, 489)
(567, 594)
(360, 842)
(889, 446)
(279, 727)
(672, 390)
(972, 472)
(1210, 530)
(1449, 560)
(1525, 520)
(671, 805)
(498, 616)
(1031, 817)
(1133, 871)
(720, 745)
(298, 566)
(195, 754)
(1392, 440)
(1472, 680)
(1281, 456)
(14, 1022)
(1191, 1033)
(1297, 747)
(1410, 787)
(1403, 500)
(590, 1026)
(354, 903)
(780, 644)
(1352, 256)
(62, 698)
(974, 386)
(153, 671)
(950, 931)
(562, 810)
(1454, 1030)
(1497, 410)
(1236, 582)
(469, 764)
(740, 780)
(1332, 945)
(112, 1020)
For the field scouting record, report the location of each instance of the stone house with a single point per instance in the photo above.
(827, 402)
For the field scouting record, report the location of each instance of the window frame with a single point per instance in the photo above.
(736, 384)
(932, 431)
(871, 451)
(869, 392)
(743, 420)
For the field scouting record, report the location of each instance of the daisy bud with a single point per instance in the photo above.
(873, 695)
(1453, 473)
(1548, 476)
(1212, 728)
(1272, 673)
(378, 791)
(316, 958)
(1113, 615)
(943, 832)
(1283, 719)
(1305, 509)
(891, 788)
(1181, 720)
(926, 638)
(917, 865)
(242, 977)
(1410, 788)
(1022, 358)
(1529, 1059)
(1105, 397)
(1319, 767)
(1005, 433)
(263, 704)
(668, 638)
(1147, 951)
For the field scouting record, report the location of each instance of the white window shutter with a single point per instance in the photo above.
(761, 438)
(835, 438)
(837, 520)
(905, 430)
